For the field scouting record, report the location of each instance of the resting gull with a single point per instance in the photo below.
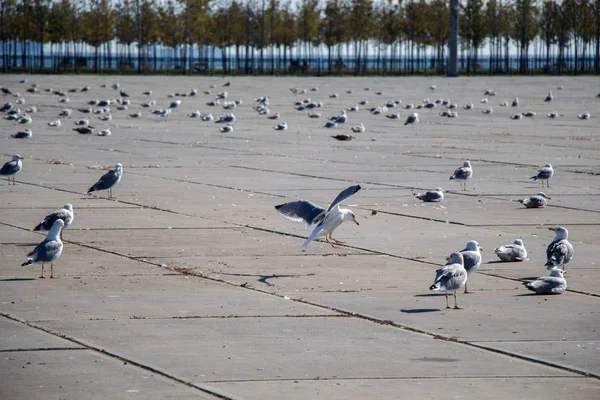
(326, 220)
(412, 119)
(65, 213)
(544, 174)
(537, 201)
(49, 250)
(360, 128)
(108, 180)
(559, 251)
(11, 168)
(343, 136)
(282, 126)
(435, 195)
(553, 284)
(462, 174)
(585, 115)
(451, 277)
(24, 134)
(512, 252)
(471, 258)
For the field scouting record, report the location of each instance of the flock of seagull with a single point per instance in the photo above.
(449, 278)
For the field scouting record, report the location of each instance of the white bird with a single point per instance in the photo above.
(175, 104)
(550, 97)
(353, 108)
(544, 174)
(412, 119)
(326, 221)
(49, 250)
(552, 114)
(24, 134)
(484, 100)
(24, 120)
(12, 167)
(82, 122)
(512, 252)
(516, 116)
(463, 174)
(488, 111)
(116, 86)
(468, 106)
(227, 118)
(432, 196)
(560, 250)
(553, 284)
(515, 102)
(105, 132)
(207, 117)
(471, 258)
(330, 124)
(195, 114)
(63, 100)
(585, 115)
(106, 117)
(226, 129)
(108, 181)
(31, 110)
(282, 126)
(360, 128)
(451, 277)
(55, 123)
(65, 213)
(537, 201)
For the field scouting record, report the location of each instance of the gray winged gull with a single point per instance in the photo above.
(108, 181)
(11, 168)
(559, 251)
(544, 174)
(512, 252)
(537, 201)
(326, 220)
(451, 277)
(462, 174)
(553, 284)
(49, 250)
(471, 258)
(412, 119)
(65, 213)
(435, 195)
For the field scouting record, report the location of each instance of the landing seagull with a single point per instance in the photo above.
(108, 181)
(49, 250)
(326, 220)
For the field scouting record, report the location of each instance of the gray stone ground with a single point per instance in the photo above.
(188, 284)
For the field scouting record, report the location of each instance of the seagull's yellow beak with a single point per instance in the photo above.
(480, 248)
(550, 229)
(447, 258)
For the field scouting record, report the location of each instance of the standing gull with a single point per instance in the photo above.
(512, 252)
(544, 174)
(435, 195)
(450, 277)
(65, 214)
(108, 181)
(412, 119)
(462, 174)
(49, 250)
(326, 220)
(471, 258)
(11, 168)
(538, 201)
(559, 251)
(553, 284)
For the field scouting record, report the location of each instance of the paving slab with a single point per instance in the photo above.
(18, 337)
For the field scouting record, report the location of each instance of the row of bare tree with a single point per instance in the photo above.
(270, 35)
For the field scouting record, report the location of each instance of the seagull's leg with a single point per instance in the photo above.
(51, 270)
(335, 240)
(456, 307)
(446, 294)
(332, 244)
(42, 276)
(466, 292)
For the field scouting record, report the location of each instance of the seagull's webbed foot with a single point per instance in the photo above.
(335, 240)
(332, 244)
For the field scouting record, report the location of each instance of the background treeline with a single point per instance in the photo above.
(302, 36)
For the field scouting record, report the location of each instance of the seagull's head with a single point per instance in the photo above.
(456, 258)
(438, 190)
(119, 167)
(68, 207)
(561, 233)
(518, 242)
(473, 245)
(542, 194)
(352, 217)
(548, 166)
(557, 272)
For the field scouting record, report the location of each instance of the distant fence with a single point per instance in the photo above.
(402, 65)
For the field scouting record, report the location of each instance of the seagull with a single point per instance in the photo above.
(108, 181)
(82, 122)
(433, 196)
(175, 103)
(49, 250)
(528, 114)
(585, 115)
(273, 116)
(471, 258)
(462, 174)
(550, 97)
(537, 201)
(115, 86)
(12, 167)
(512, 252)
(412, 119)
(559, 251)
(393, 116)
(282, 126)
(360, 128)
(490, 92)
(451, 277)
(226, 129)
(193, 93)
(330, 124)
(207, 117)
(55, 123)
(225, 118)
(24, 134)
(105, 132)
(314, 114)
(488, 111)
(87, 110)
(195, 114)
(515, 102)
(25, 119)
(65, 214)
(552, 114)
(32, 109)
(136, 115)
(468, 106)
(84, 130)
(484, 100)
(326, 220)
(544, 174)
(147, 93)
(343, 136)
(353, 108)
(516, 116)
(553, 284)
(108, 117)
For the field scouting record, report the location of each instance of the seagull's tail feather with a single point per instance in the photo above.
(535, 178)
(434, 287)
(28, 262)
(522, 201)
(90, 190)
(312, 236)
(452, 177)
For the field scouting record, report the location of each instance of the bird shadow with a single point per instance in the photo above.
(429, 295)
(16, 279)
(419, 310)
(265, 278)
(535, 294)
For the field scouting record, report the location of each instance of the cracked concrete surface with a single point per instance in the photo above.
(188, 284)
